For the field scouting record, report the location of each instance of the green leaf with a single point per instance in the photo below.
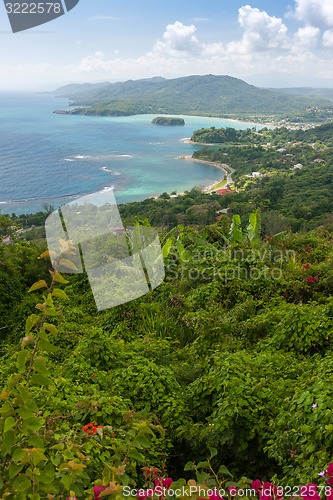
(39, 379)
(213, 452)
(67, 482)
(25, 413)
(45, 345)
(67, 264)
(49, 301)
(36, 442)
(136, 456)
(22, 358)
(14, 470)
(236, 235)
(38, 285)
(10, 422)
(40, 365)
(13, 380)
(60, 279)
(189, 466)
(51, 328)
(306, 429)
(51, 312)
(8, 440)
(31, 404)
(59, 294)
(59, 446)
(166, 248)
(31, 322)
(33, 424)
(224, 471)
(21, 483)
(143, 441)
(202, 465)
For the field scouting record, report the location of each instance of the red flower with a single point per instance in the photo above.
(97, 491)
(329, 470)
(308, 247)
(311, 279)
(306, 266)
(91, 428)
(256, 485)
(163, 481)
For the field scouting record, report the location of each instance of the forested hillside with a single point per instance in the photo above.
(220, 376)
(210, 95)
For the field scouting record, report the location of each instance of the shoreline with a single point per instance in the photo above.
(226, 169)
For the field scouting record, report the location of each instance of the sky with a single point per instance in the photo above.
(267, 43)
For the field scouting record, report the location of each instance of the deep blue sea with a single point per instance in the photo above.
(46, 157)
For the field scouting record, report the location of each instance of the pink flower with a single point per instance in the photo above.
(256, 485)
(215, 496)
(144, 494)
(232, 490)
(97, 491)
(166, 482)
(329, 470)
(310, 492)
(266, 492)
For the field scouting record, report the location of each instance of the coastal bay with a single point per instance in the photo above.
(53, 159)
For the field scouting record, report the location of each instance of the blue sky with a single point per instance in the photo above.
(264, 42)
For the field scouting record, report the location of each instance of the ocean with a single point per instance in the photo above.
(52, 158)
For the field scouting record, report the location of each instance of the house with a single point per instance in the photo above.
(223, 192)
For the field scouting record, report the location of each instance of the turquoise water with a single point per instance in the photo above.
(45, 157)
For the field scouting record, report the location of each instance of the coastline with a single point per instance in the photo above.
(227, 171)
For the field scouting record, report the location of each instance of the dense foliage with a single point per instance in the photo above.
(294, 185)
(223, 372)
(168, 120)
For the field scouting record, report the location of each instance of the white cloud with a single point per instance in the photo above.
(306, 37)
(265, 54)
(92, 63)
(328, 39)
(261, 31)
(315, 12)
(178, 39)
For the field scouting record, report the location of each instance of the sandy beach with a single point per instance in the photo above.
(227, 171)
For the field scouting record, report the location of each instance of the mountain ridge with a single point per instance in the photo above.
(195, 94)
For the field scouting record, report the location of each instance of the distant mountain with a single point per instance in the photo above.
(321, 93)
(210, 95)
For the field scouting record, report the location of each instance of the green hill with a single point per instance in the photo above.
(209, 94)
